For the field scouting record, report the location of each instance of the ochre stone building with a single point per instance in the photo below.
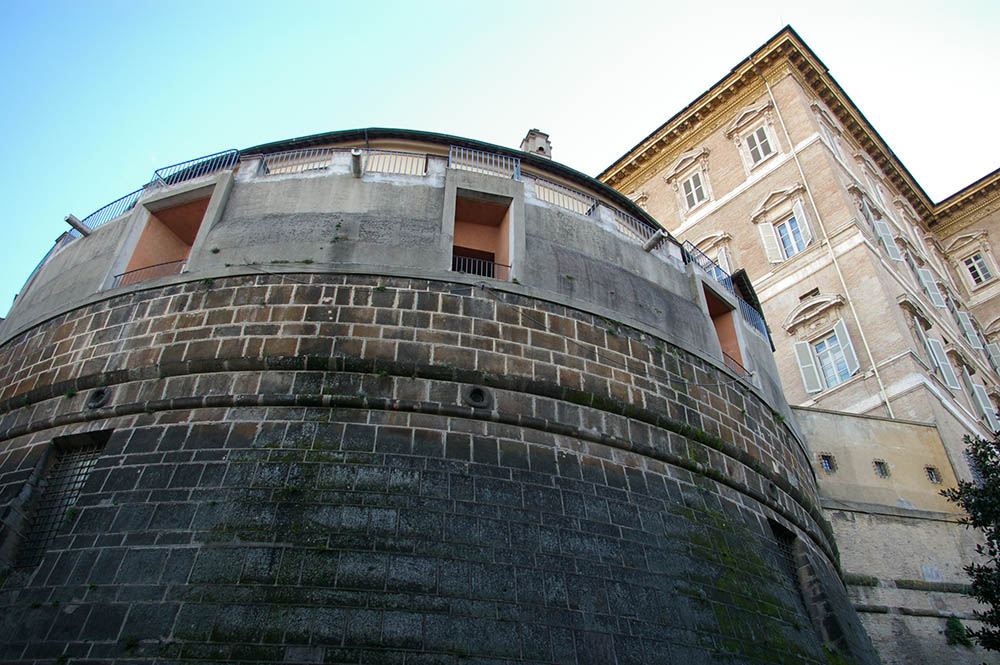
(386, 396)
(882, 306)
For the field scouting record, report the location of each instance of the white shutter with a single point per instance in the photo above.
(986, 406)
(807, 367)
(941, 358)
(969, 330)
(993, 351)
(804, 228)
(923, 340)
(850, 357)
(884, 232)
(931, 287)
(722, 258)
(770, 241)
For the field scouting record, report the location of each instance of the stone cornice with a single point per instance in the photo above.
(787, 48)
(968, 205)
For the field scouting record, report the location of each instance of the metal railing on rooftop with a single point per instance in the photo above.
(749, 313)
(480, 161)
(700, 259)
(564, 197)
(195, 168)
(295, 161)
(115, 209)
(395, 161)
(149, 272)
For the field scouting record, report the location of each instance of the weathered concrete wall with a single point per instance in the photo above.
(294, 475)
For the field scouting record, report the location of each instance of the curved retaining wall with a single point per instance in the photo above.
(349, 468)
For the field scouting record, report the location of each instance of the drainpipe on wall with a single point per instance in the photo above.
(826, 239)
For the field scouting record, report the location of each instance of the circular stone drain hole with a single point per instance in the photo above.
(477, 397)
(98, 398)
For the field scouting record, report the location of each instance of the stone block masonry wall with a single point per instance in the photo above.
(295, 475)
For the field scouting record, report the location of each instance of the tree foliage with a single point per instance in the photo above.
(981, 502)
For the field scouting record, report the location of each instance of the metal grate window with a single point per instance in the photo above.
(56, 493)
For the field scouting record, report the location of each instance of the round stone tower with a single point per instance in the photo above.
(384, 396)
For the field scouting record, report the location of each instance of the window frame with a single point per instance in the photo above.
(810, 359)
(777, 209)
(982, 264)
(769, 140)
(698, 188)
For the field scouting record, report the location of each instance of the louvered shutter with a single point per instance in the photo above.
(923, 340)
(941, 358)
(993, 351)
(850, 357)
(884, 232)
(969, 330)
(931, 287)
(807, 367)
(986, 406)
(770, 241)
(804, 228)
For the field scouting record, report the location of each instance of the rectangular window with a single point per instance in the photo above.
(70, 464)
(828, 361)
(978, 269)
(828, 463)
(944, 364)
(694, 192)
(832, 363)
(881, 468)
(758, 144)
(482, 235)
(791, 237)
(831, 141)
(933, 474)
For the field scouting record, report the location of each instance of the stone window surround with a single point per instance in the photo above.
(749, 120)
(777, 207)
(833, 131)
(685, 166)
(966, 246)
(720, 245)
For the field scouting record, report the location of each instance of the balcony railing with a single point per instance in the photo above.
(115, 209)
(734, 364)
(396, 161)
(564, 197)
(195, 168)
(752, 317)
(479, 161)
(296, 161)
(700, 259)
(148, 272)
(481, 267)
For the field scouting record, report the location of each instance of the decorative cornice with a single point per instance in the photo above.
(775, 198)
(685, 161)
(915, 309)
(785, 48)
(811, 308)
(747, 116)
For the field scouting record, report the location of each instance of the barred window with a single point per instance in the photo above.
(70, 464)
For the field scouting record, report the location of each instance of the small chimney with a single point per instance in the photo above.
(537, 143)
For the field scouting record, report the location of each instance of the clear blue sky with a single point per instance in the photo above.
(97, 95)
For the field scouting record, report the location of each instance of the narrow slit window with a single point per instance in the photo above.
(881, 468)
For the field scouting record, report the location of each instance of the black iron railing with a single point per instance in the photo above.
(481, 267)
(149, 272)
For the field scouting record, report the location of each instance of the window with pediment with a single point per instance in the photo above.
(753, 133)
(829, 130)
(971, 255)
(688, 176)
(825, 353)
(785, 228)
